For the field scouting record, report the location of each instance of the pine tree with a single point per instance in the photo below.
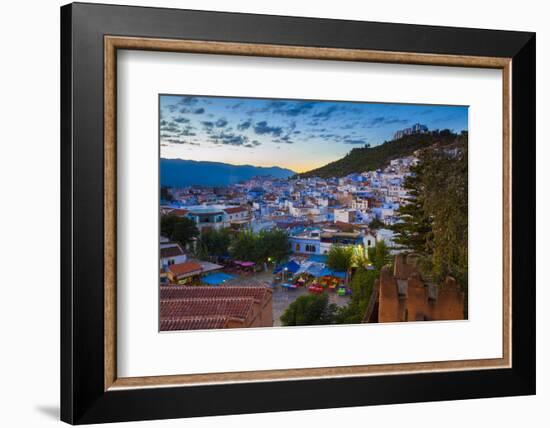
(414, 229)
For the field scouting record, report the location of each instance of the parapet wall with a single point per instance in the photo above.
(405, 296)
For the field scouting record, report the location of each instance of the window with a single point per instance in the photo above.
(310, 248)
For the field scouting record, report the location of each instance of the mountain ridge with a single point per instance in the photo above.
(184, 172)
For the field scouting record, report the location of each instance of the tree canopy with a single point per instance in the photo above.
(435, 222)
(379, 255)
(178, 229)
(165, 194)
(309, 309)
(215, 243)
(267, 245)
(340, 258)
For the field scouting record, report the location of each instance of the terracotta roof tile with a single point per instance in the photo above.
(190, 292)
(233, 210)
(231, 307)
(194, 323)
(185, 268)
(178, 212)
(171, 251)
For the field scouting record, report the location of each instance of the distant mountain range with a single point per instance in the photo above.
(372, 158)
(181, 173)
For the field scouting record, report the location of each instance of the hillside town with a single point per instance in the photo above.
(316, 217)
(316, 213)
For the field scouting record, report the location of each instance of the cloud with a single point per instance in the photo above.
(208, 125)
(187, 110)
(382, 120)
(285, 108)
(187, 132)
(350, 125)
(221, 122)
(330, 136)
(326, 113)
(235, 106)
(286, 139)
(262, 128)
(244, 125)
(177, 141)
(169, 127)
(188, 101)
(231, 139)
(181, 120)
(291, 108)
(252, 144)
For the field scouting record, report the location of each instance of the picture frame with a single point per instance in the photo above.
(91, 390)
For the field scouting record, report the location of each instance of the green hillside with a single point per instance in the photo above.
(372, 158)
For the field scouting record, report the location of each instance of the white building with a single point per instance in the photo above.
(345, 215)
(171, 253)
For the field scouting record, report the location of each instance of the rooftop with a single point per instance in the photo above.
(233, 210)
(193, 323)
(185, 268)
(238, 307)
(171, 251)
(189, 292)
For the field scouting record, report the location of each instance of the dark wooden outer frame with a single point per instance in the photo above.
(85, 396)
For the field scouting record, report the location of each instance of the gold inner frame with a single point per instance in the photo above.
(113, 43)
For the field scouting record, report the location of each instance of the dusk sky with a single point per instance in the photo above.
(294, 134)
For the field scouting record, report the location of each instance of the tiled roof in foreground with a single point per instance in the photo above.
(190, 292)
(196, 307)
(194, 323)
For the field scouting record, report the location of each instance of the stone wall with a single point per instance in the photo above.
(405, 296)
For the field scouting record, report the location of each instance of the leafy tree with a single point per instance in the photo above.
(361, 285)
(379, 255)
(215, 243)
(312, 309)
(245, 246)
(165, 194)
(340, 258)
(348, 314)
(274, 244)
(179, 229)
(260, 247)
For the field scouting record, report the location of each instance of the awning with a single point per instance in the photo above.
(290, 266)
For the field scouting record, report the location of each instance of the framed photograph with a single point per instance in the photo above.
(266, 213)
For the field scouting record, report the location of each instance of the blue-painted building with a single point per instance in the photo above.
(305, 240)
